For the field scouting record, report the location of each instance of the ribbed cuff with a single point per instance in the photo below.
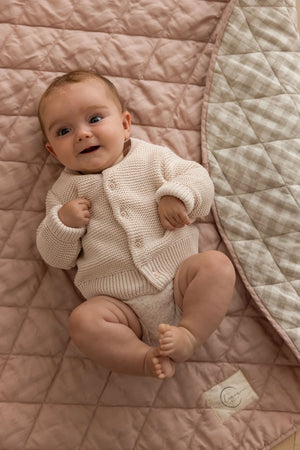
(176, 190)
(60, 230)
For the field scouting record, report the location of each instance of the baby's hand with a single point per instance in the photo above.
(75, 214)
(172, 213)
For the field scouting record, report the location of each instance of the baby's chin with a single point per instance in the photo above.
(96, 168)
(93, 161)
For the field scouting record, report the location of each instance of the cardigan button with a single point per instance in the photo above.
(112, 185)
(124, 213)
(138, 243)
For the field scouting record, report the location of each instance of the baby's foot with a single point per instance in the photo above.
(163, 366)
(157, 365)
(176, 342)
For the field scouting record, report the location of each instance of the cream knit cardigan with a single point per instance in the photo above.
(124, 252)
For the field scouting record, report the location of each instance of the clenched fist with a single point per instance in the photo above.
(75, 214)
(172, 213)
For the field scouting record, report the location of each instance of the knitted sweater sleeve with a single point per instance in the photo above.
(188, 181)
(58, 244)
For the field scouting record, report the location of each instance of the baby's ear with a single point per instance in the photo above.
(126, 123)
(50, 149)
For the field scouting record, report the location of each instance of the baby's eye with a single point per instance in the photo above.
(63, 131)
(95, 119)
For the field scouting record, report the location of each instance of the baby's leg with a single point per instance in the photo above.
(108, 332)
(203, 289)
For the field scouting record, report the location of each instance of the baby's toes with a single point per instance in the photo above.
(166, 345)
(158, 368)
(163, 328)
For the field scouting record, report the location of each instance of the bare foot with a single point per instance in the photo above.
(157, 365)
(176, 342)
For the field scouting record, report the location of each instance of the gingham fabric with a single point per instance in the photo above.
(253, 139)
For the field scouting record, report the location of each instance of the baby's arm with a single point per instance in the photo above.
(58, 243)
(186, 193)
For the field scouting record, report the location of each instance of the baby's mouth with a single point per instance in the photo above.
(90, 149)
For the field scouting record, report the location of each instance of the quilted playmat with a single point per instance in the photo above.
(219, 83)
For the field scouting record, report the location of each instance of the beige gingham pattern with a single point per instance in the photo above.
(253, 138)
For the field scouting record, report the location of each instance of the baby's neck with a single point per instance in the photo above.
(126, 148)
(124, 153)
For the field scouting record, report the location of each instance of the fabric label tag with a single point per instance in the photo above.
(230, 396)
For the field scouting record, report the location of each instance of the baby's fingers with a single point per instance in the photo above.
(84, 202)
(184, 219)
(166, 224)
(179, 219)
(175, 221)
(85, 221)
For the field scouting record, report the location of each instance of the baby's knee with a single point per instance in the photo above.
(220, 265)
(215, 264)
(90, 319)
(80, 321)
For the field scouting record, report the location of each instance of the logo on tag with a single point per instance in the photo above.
(230, 396)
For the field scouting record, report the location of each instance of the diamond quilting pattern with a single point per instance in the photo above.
(242, 172)
(237, 76)
(287, 170)
(158, 53)
(261, 216)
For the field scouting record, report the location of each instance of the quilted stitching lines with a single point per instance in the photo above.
(258, 205)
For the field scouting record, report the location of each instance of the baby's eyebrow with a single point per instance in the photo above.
(54, 124)
(96, 107)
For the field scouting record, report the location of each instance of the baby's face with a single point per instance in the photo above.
(85, 127)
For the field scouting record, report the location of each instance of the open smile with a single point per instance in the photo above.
(90, 149)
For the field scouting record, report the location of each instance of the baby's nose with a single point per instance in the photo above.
(83, 133)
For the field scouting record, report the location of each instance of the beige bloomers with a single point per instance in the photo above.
(154, 309)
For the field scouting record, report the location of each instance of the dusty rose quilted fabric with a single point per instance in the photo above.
(241, 390)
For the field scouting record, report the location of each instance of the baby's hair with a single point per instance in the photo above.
(78, 76)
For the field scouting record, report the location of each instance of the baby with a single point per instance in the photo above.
(123, 211)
